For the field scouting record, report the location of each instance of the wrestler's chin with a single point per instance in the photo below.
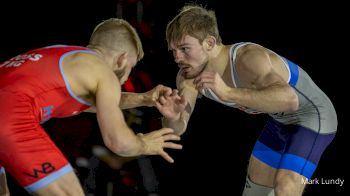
(189, 75)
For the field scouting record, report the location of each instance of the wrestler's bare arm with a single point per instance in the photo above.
(263, 90)
(149, 98)
(117, 136)
(132, 100)
(271, 93)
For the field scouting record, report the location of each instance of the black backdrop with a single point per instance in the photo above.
(219, 139)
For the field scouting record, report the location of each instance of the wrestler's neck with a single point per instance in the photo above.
(218, 58)
(105, 55)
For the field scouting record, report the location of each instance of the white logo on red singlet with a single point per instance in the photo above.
(20, 59)
(75, 112)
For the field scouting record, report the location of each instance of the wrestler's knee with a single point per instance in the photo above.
(253, 189)
(289, 183)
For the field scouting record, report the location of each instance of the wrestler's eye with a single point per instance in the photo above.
(185, 49)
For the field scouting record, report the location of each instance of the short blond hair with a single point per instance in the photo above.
(193, 20)
(116, 34)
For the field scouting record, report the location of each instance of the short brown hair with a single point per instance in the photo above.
(115, 34)
(193, 20)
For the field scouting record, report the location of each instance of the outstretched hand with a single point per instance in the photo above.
(156, 141)
(171, 105)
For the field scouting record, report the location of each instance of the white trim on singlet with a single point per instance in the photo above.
(80, 100)
(233, 58)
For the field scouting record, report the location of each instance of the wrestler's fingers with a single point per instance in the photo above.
(158, 105)
(172, 145)
(166, 156)
(162, 100)
(173, 137)
(164, 131)
(175, 92)
(183, 100)
(167, 91)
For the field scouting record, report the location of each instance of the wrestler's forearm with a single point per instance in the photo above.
(179, 126)
(127, 101)
(132, 100)
(278, 98)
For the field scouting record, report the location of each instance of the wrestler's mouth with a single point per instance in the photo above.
(184, 68)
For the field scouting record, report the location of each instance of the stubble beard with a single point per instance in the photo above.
(194, 75)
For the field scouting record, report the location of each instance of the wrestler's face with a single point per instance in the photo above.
(190, 55)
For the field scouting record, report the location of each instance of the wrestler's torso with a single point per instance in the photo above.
(39, 76)
(315, 108)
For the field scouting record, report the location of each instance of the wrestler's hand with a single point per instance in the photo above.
(213, 81)
(156, 141)
(171, 106)
(153, 95)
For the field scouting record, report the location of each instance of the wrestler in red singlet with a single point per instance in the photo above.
(33, 89)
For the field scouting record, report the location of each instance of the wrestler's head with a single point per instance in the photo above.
(190, 36)
(120, 45)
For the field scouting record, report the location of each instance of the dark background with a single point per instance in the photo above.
(219, 139)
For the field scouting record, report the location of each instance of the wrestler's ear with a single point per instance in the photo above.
(209, 42)
(121, 60)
